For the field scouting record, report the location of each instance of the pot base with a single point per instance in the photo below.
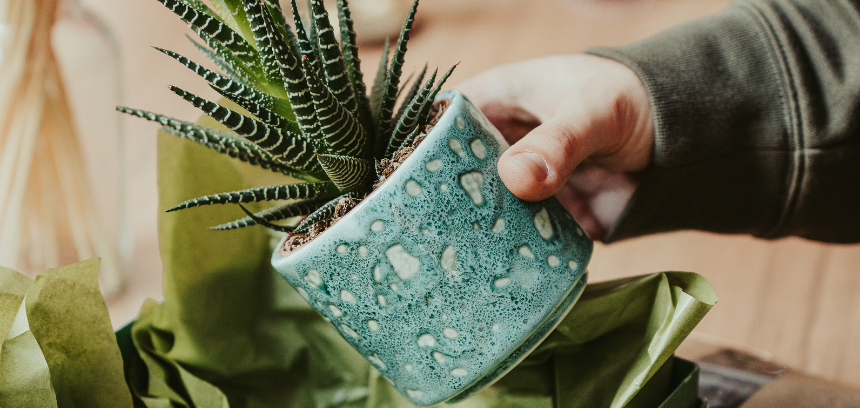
(442, 278)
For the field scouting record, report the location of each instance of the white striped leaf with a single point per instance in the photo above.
(392, 82)
(342, 133)
(295, 84)
(237, 91)
(288, 147)
(353, 64)
(318, 190)
(413, 90)
(278, 213)
(378, 88)
(425, 109)
(334, 68)
(348, 173)
(409, 120)
(254, 12)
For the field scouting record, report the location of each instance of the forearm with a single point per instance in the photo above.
(756, 123)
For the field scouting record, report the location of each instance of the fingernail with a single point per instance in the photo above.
(531, 164)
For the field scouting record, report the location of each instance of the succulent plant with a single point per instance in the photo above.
(308, 114)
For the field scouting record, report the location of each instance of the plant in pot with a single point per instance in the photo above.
(410, 244)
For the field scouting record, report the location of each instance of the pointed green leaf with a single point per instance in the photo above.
(425, 109)
(221, 142)
(323, 189)
(379, 85)
(238, 149)
(411, 94)
(278, 213)
(266, 116)
(233, 15)
(236, 90)
(254, 12)
(212, 27)
(409, 120)
(392, 80)
(334, 68)
(306, 47)
(342, 132)
(295, 83)
(247, 62)
(353, 64)
(260, 221)
(348, 173)
(288, 147)
(321, 214)
(411, 138)
(233, 72)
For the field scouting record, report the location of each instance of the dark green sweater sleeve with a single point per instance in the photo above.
(757, 123)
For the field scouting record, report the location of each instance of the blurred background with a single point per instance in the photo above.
(791, 300)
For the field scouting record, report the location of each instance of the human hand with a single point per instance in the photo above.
(580, 128)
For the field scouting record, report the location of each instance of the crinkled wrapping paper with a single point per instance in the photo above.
(58, 347)
(230, 332)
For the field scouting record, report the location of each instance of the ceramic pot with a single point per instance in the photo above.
(441, 278)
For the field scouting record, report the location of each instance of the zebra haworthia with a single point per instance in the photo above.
(305, 111)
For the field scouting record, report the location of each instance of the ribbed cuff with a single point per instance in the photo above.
(722, 154)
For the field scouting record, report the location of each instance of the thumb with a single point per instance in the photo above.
(539, 164)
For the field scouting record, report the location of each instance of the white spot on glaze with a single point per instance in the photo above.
(425, 231)
(426, 340)
(341, 249)
(439, 357)
(303, 293)
(327, 319)
(377, 226)
(414, 393)
(413, 188)
(495, 327)
(499, 225)
(478, 149)
(373, 325)
(476, 226)
(543, 224)
(472, 182)
(443, 187)
(433, 165)
(459, 372)
(347, 296)
(408, 367)
(405, 265)
(456, 147)
(526, 252)
(375, 360)
(362, 251)
(571, 265)
(451, 333)
(348, 331)
(578, 230)
(382, 301)
(377, 273)
(500, 283)
(335, 311)
(394, 287)
(388, 379)
(552, 260)
(313, 277)
(461, 124)
(449, 258)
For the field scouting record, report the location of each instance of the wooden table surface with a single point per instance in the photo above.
(792, 298)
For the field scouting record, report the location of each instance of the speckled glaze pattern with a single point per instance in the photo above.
(442, 278)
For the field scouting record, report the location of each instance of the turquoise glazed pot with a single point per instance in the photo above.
(442, 278)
